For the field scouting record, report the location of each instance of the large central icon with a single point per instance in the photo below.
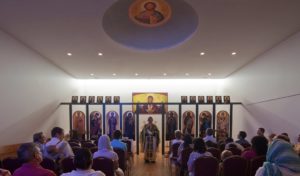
(150, 13)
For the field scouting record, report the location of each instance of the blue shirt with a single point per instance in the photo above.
(116, 143)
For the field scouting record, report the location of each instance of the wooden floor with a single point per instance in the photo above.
(159, 168)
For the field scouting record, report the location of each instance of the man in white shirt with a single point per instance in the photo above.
(57, 147)
(83, 162)
(209, 136)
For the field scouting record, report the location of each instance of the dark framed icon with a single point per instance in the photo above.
(209, 99)
(74, 99)
(82, 99)
(227, 99)
(183, 99)
(192, 99)
(116, 99)
(108, 99)
(218, 99)
(99, 99)
(91, 99)
(201, 99)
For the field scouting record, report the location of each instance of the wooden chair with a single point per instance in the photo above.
(11, 164)
(255, 163)
(235, 166)
(215, 152)
(206, 166)
(87, 145)
(122, 159)
(75, 149)
(174, 151)
(74, 144)
(50, 164)
(94, 149)
(235, 151)
(67, 165)
(185, 155)
(105, 165)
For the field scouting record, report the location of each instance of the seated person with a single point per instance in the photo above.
(40, 140)
(224, 155)
(259, 148)
(199, 151)
(271, 137)
(116, 142)
(105, 150)
(187, 143)
(31, 156)
(242, 139)
(4, 172)
(283, 137)
(229, 143)
(57, 147)
(83, 162)
(209, 136)
(281, 160)
(297, 146)
(177, 140)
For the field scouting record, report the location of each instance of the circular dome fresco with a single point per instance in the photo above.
(150, 24)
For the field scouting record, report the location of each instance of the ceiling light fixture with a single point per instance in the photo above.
(114, 74)
(136, 74)
(69, 54)
(100, 54)
(165, 74)
(233, 53)
(187, 74)
(92, 74)
(202, 53)
(209, 74)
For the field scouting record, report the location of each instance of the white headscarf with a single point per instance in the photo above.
(104, 143)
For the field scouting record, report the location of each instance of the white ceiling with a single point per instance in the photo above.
(55, 27)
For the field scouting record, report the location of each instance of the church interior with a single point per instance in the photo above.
(155, 71)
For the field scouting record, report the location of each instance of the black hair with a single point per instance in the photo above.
(228, 140)
(56, 130)
(199, 145)
(26, 152)
(117, 134)
(262, 130)
(259, 145)
(209, 131)
(243, 134)
(187, 140)
(37, 137)
(83, 159)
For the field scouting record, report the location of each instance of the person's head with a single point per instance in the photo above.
(39, 138)
(117, 134)
(199, 145)
(242, 135)
(178, 134)
(228, 140)
(187, 140)
(150, 6)
(285, 134)
(104, 143)
(281, 153)
(83, 159)
(225, 154)
(150, 99)
(299, 138)
(209, 132)
(150, 120)
(260, 131)
(29, 153)
(259, 145)
(271, 137)
(57, 132)
(283, 137)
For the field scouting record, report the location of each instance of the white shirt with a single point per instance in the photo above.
(89, 172)
(192, 158)
(175, 141)
(62, 146)
(106, 154)
(210, 138)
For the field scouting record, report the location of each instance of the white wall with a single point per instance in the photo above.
(269, 87)
(31, 90)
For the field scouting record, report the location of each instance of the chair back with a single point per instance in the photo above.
(11, 164)
(122, 158)
(105, 165)
(185, 155)
(128, 144)
(94, 149)
(215, 152)
(87, 145)
(235, 166)
(67, 165)
(235, 151)
(75, 149)
(74, 144)
(50, 164)
(174, 149)
(255, 163)
(206, 166)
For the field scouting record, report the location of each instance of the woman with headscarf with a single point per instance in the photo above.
(105, 150)
(281, 160)
(150, 140)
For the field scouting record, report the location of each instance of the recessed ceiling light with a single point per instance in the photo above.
(136, 74)
(202, 53)
(100, 54)
(114, 74)
(165, 74)
(209, 74)
(69, 54)
(187, 74)
(92, 74)
(233, 53)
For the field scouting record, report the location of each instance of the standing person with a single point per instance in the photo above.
(31, 156)
(199, 151)
(259, 148)
(242, 139)
(83, 162)
(150, 140)
(57, 147)
(40, 140)
(112, 122)
(281, 160)
(105, 150)
(261, 132)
